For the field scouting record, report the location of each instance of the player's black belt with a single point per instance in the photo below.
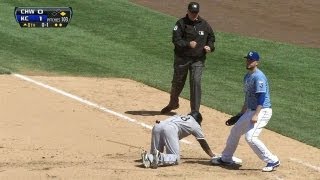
(262, 108)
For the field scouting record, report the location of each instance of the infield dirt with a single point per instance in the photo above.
(48, 135)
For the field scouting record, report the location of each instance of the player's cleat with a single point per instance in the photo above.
(271, 166)
(236, 160)
(218, 161)
(155, 162)
(143, 153)
(145, 160)
(169, 108)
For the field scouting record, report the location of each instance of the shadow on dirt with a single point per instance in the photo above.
(202, 161)
(207, 162)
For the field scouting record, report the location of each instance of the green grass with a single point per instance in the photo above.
(119, 39)
(4, 71)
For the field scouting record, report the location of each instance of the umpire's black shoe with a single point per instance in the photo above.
(169, 108)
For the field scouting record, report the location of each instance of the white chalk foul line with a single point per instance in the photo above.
(306, 164)
(87, 102)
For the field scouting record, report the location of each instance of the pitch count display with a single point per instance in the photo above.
(43, 17)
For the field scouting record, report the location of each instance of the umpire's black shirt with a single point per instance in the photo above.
(185, 31)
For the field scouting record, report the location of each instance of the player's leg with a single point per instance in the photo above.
(157, 144)
(233, 140)
(157, 141)
(252, 137)
(195, 85)
(171, 140)
(172, 155)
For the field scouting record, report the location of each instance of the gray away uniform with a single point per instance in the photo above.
(167, 134)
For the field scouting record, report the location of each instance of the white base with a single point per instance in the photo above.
(234, 159)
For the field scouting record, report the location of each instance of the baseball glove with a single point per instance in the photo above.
(231, 121)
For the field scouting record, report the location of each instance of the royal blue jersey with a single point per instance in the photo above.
(254, 83)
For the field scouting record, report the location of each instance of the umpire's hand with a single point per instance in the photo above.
(207, 49)
(193, 44)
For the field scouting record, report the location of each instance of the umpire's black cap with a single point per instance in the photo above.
(194, 7)
(197, 116)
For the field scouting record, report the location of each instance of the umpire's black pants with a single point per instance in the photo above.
(181, 68)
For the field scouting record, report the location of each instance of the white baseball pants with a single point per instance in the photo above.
(252, 132)
(165, 135)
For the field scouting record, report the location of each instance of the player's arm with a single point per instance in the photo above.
(260, 99)
(205, 147)
(244, 108)
(261, 96)
(255, 116)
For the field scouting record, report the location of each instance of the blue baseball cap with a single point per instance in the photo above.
(253, 55)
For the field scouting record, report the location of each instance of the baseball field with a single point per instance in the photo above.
(79, 102)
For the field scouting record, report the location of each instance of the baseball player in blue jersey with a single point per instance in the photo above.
(167, 133)
(256, 113)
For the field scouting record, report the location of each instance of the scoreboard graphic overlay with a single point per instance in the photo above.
(43, 17)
